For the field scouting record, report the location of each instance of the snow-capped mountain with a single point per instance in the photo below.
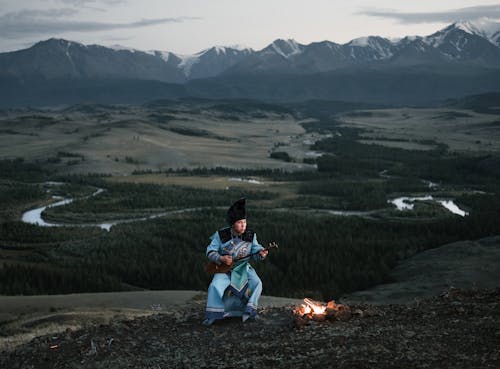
(284, 48)
(465, 41)
(374, 47)
(211, 62)
(473, 42)
(356, 67)
(57, 58)
(476, 43)
(482, 27)
(273, 58)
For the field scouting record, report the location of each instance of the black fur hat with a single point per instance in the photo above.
(236, 211)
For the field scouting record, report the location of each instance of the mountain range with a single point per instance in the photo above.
(458, 60)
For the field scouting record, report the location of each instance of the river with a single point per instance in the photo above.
(406, 203)
(34, 216)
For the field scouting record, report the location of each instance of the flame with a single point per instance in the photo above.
(316, 308)
(312, 307)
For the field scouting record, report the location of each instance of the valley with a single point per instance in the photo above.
(123, 139)
(327, 184)
(168, 156)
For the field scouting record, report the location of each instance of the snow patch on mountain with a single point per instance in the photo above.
(165, 55)
(360, 41)
(381, 46)
(286, 48)
(435, 40)
(69, 56)
(228, 50)
(240, 47)
(220, 50)
(187, 62)
(484, 27)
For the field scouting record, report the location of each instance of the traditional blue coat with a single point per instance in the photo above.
(236, 292)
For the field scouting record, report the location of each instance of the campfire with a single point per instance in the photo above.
(317, 311)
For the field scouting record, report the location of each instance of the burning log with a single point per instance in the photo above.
(339, 312)
(319, 312)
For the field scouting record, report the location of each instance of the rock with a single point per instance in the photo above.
(344, 315)
(358, 312)
(409, 334)
(330, 313)
(300, 322)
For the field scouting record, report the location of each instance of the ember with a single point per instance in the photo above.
(318, 311)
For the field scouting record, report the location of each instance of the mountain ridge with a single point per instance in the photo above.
(473, 42)
(460, 59)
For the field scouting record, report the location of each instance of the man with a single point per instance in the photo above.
(237, 292)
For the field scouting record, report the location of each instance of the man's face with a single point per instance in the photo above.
(240, 226)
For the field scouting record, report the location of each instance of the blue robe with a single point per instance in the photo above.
(237, 292)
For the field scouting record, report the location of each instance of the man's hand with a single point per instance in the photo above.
(263, 253)
(226, 259)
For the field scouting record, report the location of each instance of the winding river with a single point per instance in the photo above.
(34, 216)
(406, 203)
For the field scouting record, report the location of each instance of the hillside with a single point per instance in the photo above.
(463, 264)
(457, 329)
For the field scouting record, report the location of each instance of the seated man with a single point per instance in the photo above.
(236, 292)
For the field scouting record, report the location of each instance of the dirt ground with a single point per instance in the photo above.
(458, 329)
(23, 318)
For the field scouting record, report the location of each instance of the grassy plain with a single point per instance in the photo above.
(118, 140)
(417, 129)
(122, 139)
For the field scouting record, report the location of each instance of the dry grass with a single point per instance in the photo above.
(132, 140)
(461, 130)
(215, 182)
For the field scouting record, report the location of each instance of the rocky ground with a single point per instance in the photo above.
(457, 329)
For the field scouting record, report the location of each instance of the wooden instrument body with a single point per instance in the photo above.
(213, 268)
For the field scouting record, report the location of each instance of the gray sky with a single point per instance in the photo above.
(189, 26)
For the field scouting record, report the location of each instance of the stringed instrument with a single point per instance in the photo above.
(213, 268)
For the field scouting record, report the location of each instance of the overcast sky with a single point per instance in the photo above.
(189, 26)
